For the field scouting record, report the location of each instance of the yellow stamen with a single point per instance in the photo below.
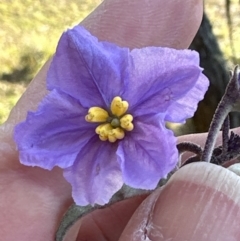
(126, 122)
(103, 138)
(118, 106)
(103, 130)
(113, 126)
(115, 134)
(107, 132)
(96, 114)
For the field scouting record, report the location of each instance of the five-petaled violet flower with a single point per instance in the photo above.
(103, 120)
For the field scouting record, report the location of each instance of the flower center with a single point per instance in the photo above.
(113, 125)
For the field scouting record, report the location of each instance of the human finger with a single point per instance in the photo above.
(132, 24)
(30, 100)
(200, 202)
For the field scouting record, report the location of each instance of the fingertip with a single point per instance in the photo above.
(141, 23)
(133, 24)
(200, 202)
(108, 223)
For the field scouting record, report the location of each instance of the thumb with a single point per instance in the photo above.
(200, 202)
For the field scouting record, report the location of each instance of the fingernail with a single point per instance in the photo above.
(200, 202)
(235, 168)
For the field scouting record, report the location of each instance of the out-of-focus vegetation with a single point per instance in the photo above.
(9, 94)
(216, 11)
(30, 29)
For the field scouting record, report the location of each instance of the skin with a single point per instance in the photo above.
(200, 202)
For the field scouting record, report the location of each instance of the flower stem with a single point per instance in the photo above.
(226, 104)
(75, 212)
(221, 113)
(225, 135)
(189, 146)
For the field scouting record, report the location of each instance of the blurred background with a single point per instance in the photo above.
(30, 29)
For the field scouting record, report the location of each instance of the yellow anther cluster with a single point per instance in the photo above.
(119, 107)
(96, 114)
(107, 132)
(126, 122)
(110, 130)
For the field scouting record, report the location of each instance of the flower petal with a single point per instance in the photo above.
(159, 77)
(186, 106)
(96, 175)
(92, 72)
(147, 154)
(54, 134)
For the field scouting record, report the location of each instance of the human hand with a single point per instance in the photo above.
(33, 200)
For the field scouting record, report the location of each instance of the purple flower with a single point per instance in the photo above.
(103, 121)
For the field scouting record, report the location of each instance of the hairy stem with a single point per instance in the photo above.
(221, 113)
(229, 99)
(225, 135)
(189, 146)
(75, 212)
